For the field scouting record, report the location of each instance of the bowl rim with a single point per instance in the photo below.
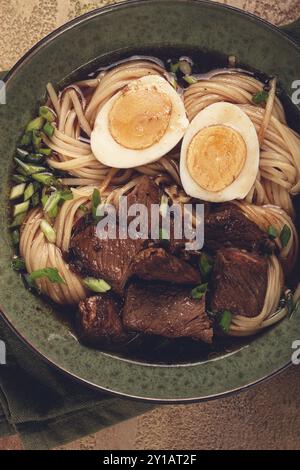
(10, 75)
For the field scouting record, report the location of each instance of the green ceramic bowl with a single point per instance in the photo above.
(152, 24)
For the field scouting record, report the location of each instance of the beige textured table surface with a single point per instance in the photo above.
(265, 417)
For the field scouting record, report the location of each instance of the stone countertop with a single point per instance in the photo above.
(264, 417)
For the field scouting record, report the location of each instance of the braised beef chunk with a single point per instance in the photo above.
(146, 192)
(230, 227)
(239, 282)
(157, 264)
(108, 259)
(166, 310)
(98, 321)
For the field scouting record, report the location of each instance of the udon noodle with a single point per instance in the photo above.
(270, 201)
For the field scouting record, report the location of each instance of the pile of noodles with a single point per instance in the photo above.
(268, 203)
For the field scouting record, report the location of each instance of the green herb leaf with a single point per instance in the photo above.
(35, 125)
(285, 235)
(261, 97)
(206, 264)
(225, 320)
(50, 273)
(96, 201)
(199, 291)
(96, 285)
(272, 232)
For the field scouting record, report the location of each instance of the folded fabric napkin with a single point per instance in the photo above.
(46, 407)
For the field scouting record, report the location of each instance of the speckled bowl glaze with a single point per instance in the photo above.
(119, 28)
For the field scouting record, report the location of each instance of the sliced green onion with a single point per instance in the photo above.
(45, 151)
(185, 67)
(17, 191)
(36, 139)
(96, 201)
(26, 139)
(164, 204)
(35, 158)
(18, 264)
(21, 208)
(261, 97)
(48, 231)
(174, 67)
(225, 321)
(47, 114)
(29, 169)
(199, 291)
(15, 236)
(18, 220)
(22, 153)
(190, 79)
(35, 200)
(47, 179)
(19, 178)
(272, 232)
(51, 274)
(96, 285)
(285, 235)
(29, 191)
(35, 125)
(48, 129)
(52, 202)
(206, 264)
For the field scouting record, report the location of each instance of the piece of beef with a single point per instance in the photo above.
(98, 321)
(166, 310)
(239, 282)
(107, 259)
(230, 227)
(115, 260)
(156, 264)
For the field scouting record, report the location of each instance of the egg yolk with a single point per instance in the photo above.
(215, 157)
(140, 117)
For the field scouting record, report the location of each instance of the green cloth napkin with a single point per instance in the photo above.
(46, 407)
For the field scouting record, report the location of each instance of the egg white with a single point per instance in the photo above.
(111, 153)
(229, 115)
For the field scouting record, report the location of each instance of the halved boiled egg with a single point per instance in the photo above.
(220, 154)
(139, 124)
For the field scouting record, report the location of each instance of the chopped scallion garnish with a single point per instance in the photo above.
(35, 125)
(285, 235)
(47, 114)
(164, 204)
(225, 321)
(17, 191)
(190, 79)
(48, 129)
(48, 231)
(51, 274)
(199, 291)
(261, 97)
(96, 285)
(21, 208)
(205, 264)
(96, 201)
(272, 232)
